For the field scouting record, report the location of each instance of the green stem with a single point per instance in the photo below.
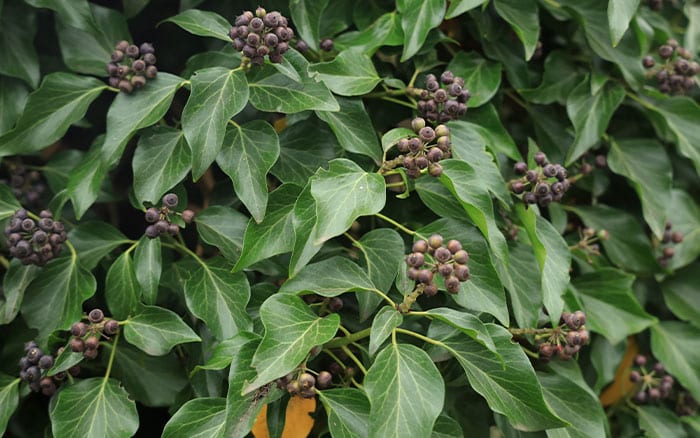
(111, 360)
(639, 100)
(3, 261)
(395, 184)
(396, 224)
(381, 94)
(532, 354)
(115, 90)
(73, 254)
(185, 250)
(340, 342)
(515, 98)
(418, 336)
(399, 102)
(354, 358)
(529, 331)
(413, 78)
(234, 124)
(391, 302)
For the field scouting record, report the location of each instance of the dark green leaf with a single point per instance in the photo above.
(353, 128)
(383, 324)
(659, 422)
(681, 294)
(487, 122)
(291, 331)
(458, 7)
(217, 95)
(684, 215)
(465, 322)
(161, 160)
(225, 351)
(149, 266)
(64, 361)
(122, 290)
(13, 97)
(385, 31)
(202, 23)
(198, 418)
(680, 114)
(396, 388)
(418, 17)
(222, 227)
(62, 100)
(94, 407)
(351, 73)
(57, 296)
(523, 18)
(590, 114)
(271, 236)
(219, 298)
(75, 12)
(560, 77)
(677, 346)
(94, 240)
(525, 272)
(8, 202)
(156, 330)
(619, 15)
(348, 412)
(306, 16)
(481, 77)
(329, 278)
(14, 283)
(9, 399)
(248, 154)
(18, 57)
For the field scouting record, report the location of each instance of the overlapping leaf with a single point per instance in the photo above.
(155, 330)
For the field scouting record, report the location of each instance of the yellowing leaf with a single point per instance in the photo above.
(298, 421)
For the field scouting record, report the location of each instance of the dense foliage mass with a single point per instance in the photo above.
(349, 218)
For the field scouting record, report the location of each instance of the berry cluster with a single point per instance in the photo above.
(547, 183)
(131, 65)
(259, 35)
(651, 385)
(442, 103)
(26, 185)
(34, 366)
(588, 241)
(450, 261)
(425, 150)
(677, 74)
(669, 239)
(86, 337)
(565, 340)
(34, 242)
(304, 384)
(160, 218)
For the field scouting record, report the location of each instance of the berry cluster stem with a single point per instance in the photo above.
(342, 341)
(529, 331)
(408, 300)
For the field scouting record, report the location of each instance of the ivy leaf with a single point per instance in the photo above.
(9, 399)
(306, 16)
(348, 412)
(590, 114)
(222, 227)
(383, 324)
(275, 92)
(202, 23)
(392, 136)
(18, 57)
(8, 202)
(525, 272)
(225, 351)
(149, 266)
(488, 123)
(57, 296)
(560, 77)
(384, 31)
(553, 256)
(161, 160)
(680, 114)
(270, 237)
(350, 128)
(156, 330)
(291, 331)
(458, 7)
(351, 73)
(76, 13)
(522, 15)
(13, 97)
(510, 387)
(217, 95)
(681, 294)
(418, 17)
(481, 77)
(64, 361)
(219, 298)
(395, 386)
(301, 154)
(94, 240)
(94, 407)
(619, 15)
(304, 225)
(465, 322)
(198, 418)
(677, 346)
(659, 422)
(344, 183)
(61, 100)
(627, 246)
(684, 214)
(329, 278)
(248, 154)
(645, 164)
(14, 283)
(122, 291)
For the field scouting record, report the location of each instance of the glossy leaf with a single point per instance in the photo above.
(18, 56)
(481, 77)
(348, 412)
(161, 160)
(395, 388)
(418, 17)
(560, 77)
(329, 278)
(619, 15)
(647, 166)
(680, 114)
(677, 346)
(350, 128)
(94, 406)
(291, 331)
(248, 153)
(9, 399)
(94, 240)
(14, 284)
(523, 18)
(199, 417)
(217, 95)
(684, 215)
(13, 97)
(219, 298)
(57, 296)
(681, 295)
(222, 227)
(148, 267)
(351, 73)
(61, 100)
(590, 114)
(458, 7)
(658, 422)
(122, 290)
(306, 15)
(202, 23)
(77, 13)
(383, 324)
(156, 330)
(224, 352)
(465, 322)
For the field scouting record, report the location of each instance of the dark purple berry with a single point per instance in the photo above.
(96, 316)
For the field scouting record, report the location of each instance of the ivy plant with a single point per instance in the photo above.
(349, 219)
